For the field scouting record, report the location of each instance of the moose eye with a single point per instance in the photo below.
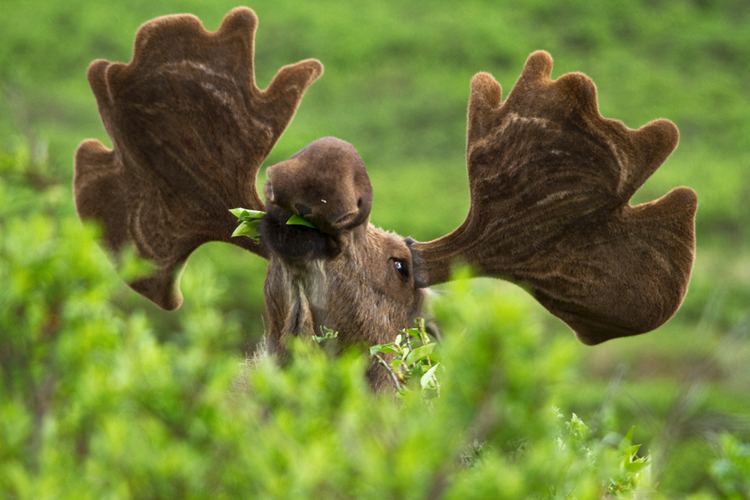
(401, 267)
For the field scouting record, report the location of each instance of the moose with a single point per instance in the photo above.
(550, 181)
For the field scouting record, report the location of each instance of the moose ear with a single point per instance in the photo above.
(190, 129)
(419, 269)
(550, 182)
(363, 189)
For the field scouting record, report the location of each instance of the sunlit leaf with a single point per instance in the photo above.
(248, 229)
(246, 214)
(298, 220)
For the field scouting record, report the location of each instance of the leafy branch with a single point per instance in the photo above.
(412, 354)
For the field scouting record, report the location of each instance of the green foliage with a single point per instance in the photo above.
(732, 470)
(326, 335)
(249, 221)
(94, 404)
(411, 355)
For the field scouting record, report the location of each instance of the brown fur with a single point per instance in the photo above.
(550, 181)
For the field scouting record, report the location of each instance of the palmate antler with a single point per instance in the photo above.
(550, 180)
(190, 130)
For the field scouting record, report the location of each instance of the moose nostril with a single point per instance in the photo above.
(302, 210)
(346, 218)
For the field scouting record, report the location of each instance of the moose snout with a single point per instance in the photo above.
(327, 218)
(326, 183)
(324, 216)
(330, 217)
(302, 209)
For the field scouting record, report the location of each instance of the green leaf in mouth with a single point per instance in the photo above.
(298, 220)
(249, 229)
(247, 215)
(249, 221)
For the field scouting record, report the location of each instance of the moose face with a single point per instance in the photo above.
(326, 183)
(344, 274)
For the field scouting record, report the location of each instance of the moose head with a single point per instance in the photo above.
(550, 182)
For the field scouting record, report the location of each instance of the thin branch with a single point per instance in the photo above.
(390, 371)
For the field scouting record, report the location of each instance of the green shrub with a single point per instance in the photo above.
(731, 470)
(93, 403)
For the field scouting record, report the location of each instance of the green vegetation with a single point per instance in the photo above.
(102, 393)
(249, 222)
(96, 405)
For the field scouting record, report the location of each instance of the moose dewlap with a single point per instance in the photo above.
(550, 183)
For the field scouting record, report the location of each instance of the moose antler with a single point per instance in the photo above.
(550, 180)
(190, 130)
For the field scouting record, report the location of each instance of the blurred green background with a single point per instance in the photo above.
(395, 85)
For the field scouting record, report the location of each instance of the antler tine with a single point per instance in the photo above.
(190, 129)
(550, 180)
(486, 95)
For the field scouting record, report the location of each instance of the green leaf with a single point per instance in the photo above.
(382, 348)
(429, 379)
(326, 334)
(420, 353)
(298, 220)
(247, 215)
(249, 229)
(413, 332)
